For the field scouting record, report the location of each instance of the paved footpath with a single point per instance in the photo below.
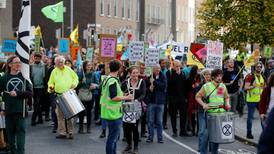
(40, 140)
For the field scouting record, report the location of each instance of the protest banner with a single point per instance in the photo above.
(107, 47)
(9, 46)
(89, 54)
(152, 57)
(214, 54)
(136, 52)
(174, 48)
(63, 45)
(73, 51)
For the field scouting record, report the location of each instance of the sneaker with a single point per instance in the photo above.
(161, 141)
(61, 136)
(70, 136)
(174, 135)
(127, 149)
(143, 135)
(81, 131)
(149, 140)
(249, 136)
(135, 150)
(103, 134)
(54, 131)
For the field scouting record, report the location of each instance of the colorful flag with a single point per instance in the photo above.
(38, 32)
(23, 39)
(192, 60)
(74, 35)
(54, 12)
(201, 54)
(252, 59)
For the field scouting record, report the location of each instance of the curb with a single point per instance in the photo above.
(246, 141)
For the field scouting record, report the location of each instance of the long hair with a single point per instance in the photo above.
(193, 72)
(10, 59)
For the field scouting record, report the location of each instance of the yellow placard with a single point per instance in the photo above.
(192, 60)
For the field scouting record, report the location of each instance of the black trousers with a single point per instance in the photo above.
(46, 104)
(131, 130)
(97, 107)
(37, 104)
(88, 105)
(178, 104)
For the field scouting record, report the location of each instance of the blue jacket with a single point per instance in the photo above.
(158, 95)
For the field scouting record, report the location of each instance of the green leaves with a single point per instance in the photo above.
(237, 22)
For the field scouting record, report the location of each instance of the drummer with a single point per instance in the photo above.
(62, 79)
(217, 102)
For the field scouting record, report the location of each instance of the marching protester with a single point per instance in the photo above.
(214, 98)
(267, 99)
(176, 83)
(37, 75)
(15, 89)
(137, 87)
(59, 86)
(85, 92)
(156, 99)
(232, 79)
(254, 84)
(111, 105)
(203, 140)
(164, 69)
(192, 83)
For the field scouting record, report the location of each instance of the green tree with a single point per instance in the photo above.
(237, 22)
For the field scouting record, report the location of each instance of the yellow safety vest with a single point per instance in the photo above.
(254, 95)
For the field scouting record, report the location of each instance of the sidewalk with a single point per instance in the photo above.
(240, 128)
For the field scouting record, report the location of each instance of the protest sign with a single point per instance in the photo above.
(37, 42)
(214, 54)
(73, 51)
(63, 45)
(176, 49)
(196, 49)
(9, 46)
(89, 54)
(136, 52)
(268, 52)
(152, 57)
(108, 45)
(192, 60)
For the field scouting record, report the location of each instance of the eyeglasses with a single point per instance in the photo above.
(258, 66)
(18, 62)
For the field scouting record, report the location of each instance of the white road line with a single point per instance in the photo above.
(179, 143)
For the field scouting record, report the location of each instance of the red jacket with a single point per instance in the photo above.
(265, 99)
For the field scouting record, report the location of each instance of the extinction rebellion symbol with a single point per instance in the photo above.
(227, 130)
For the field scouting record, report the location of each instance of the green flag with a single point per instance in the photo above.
(54, 12)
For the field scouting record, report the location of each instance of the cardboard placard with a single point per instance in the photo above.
(107, 47)
(9, 46)
(214, 55)
(63, 45)
(152, 57)
(136, 51)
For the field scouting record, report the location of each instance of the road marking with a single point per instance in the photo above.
(179, 143)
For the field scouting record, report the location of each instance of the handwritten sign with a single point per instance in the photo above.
(89, 54)
(214, 55)
(152, 57)
(108, 46)
(9, 46)
(136, 51)
(63, 45)
(268, 52)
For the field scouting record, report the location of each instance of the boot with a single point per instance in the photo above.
(103, 134)
(81, 131)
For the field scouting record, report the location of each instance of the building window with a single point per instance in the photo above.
(102, 7)
(109, 8)
(138, 10)
(129, 9)
(115, 8)
(123, 8)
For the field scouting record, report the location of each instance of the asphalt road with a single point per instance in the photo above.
(40, 140)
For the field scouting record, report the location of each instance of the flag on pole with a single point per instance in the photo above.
(37, 31)
(192, 60)
(252, 59)
(54, 12)
(23, 39)
(74, 35)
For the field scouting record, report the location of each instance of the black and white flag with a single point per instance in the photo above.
(24, 39)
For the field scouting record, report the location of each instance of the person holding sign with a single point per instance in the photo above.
(214, 98)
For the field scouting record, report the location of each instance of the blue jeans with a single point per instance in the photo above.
(251, 109)
(203, 135)
(104, 123)
(155, 112)
(114, 127)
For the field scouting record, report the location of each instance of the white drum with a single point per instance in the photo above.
(70, 104)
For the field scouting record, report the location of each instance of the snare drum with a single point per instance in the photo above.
(221, 127)
(70, 104)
